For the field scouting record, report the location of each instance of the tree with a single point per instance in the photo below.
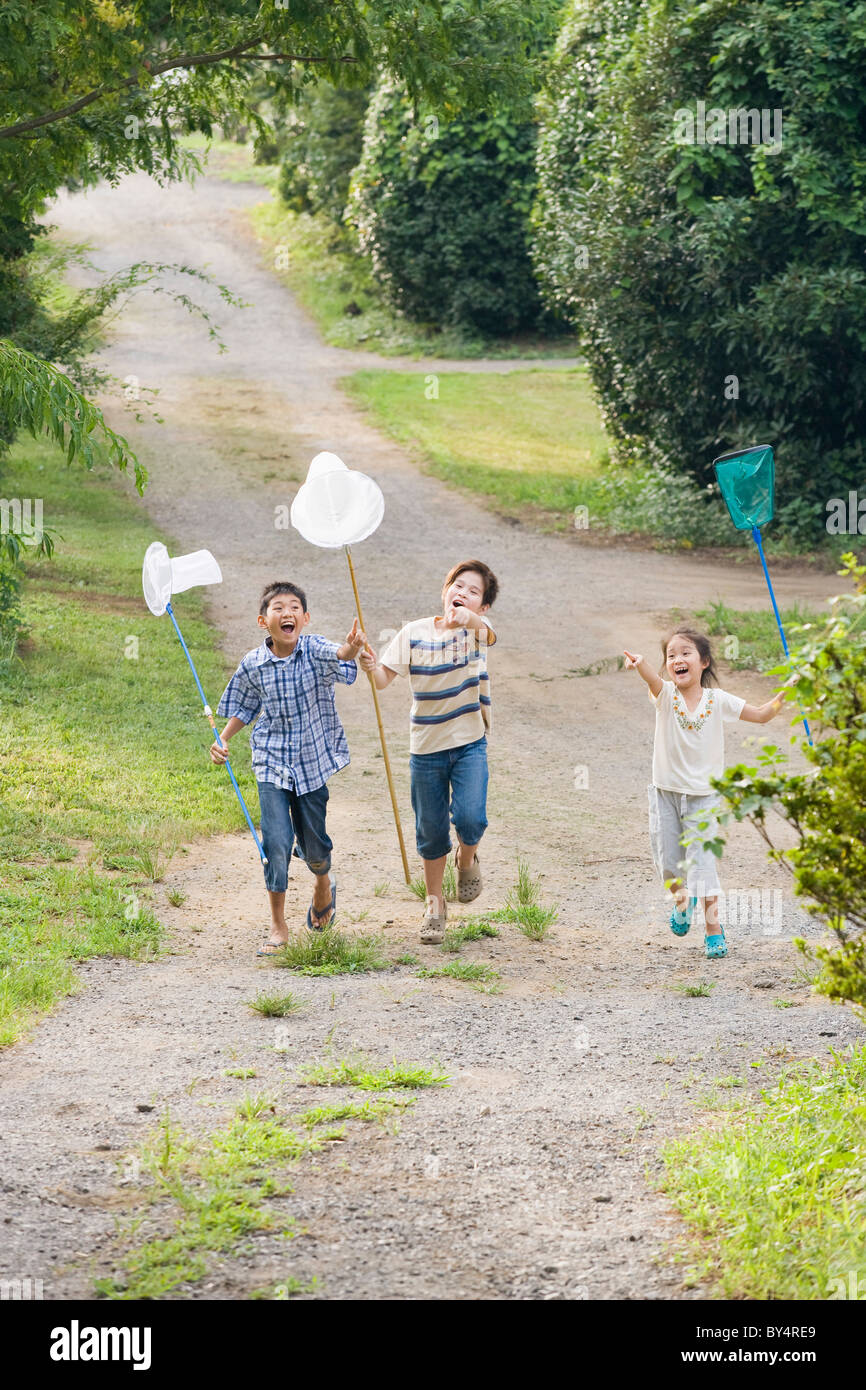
(93, 89)
(716, 275)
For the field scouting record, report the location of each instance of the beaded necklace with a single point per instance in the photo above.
(682, 714)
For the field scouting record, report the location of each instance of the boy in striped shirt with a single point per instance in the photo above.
(445, 658)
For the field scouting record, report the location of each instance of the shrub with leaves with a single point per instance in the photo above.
(441, 205)
(719, 284)
(825, 806)
(320, 146)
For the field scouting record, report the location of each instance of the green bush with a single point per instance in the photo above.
(824, 807)
(320, 146)
(686, 265)
(441, 205)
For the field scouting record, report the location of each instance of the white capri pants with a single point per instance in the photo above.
(674, 816)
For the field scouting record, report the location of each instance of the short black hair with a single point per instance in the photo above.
(280, 587)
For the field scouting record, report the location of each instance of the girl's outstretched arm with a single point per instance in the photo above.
(762, 714)
(633, 662)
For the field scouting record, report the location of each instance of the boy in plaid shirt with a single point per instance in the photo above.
(287, 686)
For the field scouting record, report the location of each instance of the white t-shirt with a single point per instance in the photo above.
(684, 759)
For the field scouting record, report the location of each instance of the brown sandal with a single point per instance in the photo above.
(469, 882)
(434, 923)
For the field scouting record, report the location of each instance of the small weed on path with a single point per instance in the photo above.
(471, 929)
(356, 1071)
(329, 953)
(276, 1005)
(468, 971)
(522, 907)
(701, 990)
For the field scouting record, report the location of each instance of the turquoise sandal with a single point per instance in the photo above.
(681, 921)
(715, 946)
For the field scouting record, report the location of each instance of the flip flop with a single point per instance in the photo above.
(332, 908)
(270, 948)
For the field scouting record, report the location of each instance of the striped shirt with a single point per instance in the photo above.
(298, 740)
(447, 671)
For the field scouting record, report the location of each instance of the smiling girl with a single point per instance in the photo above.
(688, 752)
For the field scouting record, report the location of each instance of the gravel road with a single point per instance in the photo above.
(527, 1177)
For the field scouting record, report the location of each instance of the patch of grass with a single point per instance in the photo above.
(470, 971)
(133, 783)
(470, 929)
(366, 1110)
(534, 921)
(524, 439)
(356, 1071)
(380, 890)
(752, 638)
(176, 897)
(251, 1107)
(407, 958)
(775, 1194)
(328, 276)
(220, 1185)
(449, 885)
(785, 1004)
(522, 907)
(276, 1005)
(241, 1073)
(329, 953)
(701, 990)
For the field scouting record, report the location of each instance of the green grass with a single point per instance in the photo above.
(522, 907)
(327, 276)
(702, 990)
(329, 953)
(470, 929)
(407, 958)
(241, 1073)
(95, 747)
(356, 1071)
(276, 1005)
(449, 885)
(214, 1191)
(775, 1193)
(469, 971)
(750, 640)
(526, 440)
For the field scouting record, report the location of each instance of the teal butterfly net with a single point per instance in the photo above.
(746, 480)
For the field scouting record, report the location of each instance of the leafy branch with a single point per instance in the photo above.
(38, 397)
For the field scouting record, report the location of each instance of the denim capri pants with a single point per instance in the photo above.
(674, 816)
(286, 817)
(455, 781)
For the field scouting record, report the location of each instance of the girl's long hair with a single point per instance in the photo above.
(705, 652)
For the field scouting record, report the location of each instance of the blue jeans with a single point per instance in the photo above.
(457, 776)
(287, 816)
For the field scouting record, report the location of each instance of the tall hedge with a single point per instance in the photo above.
(320, 146)
(441, 205)
(720, 288)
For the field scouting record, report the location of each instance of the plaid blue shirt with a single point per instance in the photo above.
(298, 740)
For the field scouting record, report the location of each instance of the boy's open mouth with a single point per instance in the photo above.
(287, 625)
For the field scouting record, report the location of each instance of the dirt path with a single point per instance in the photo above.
(524, 1179)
